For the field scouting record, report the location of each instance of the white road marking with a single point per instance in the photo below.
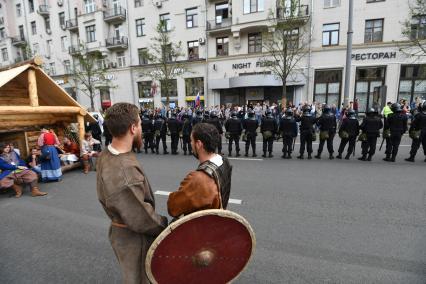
(166, 193)
(244, 159)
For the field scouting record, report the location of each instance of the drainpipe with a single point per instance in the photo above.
(206, 90)
(308, 85)
(135, 98)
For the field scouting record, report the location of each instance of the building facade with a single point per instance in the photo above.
(222, 49)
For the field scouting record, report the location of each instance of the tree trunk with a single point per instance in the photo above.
(284, 94)
(92, 101)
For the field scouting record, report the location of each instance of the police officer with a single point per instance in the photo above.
(233, 128)
(175, 126)
(288, 130)
(250, 125)
(206, 116)
(198, 117)
(215, 121)
(160, 132)
(186, 133)
(396, 123)
(418, 132)
(348, 132)
(148, 133)
(268, 128)
(370, 127)
(327, 126)
(307, 131)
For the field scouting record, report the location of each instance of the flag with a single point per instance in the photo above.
(197, 100)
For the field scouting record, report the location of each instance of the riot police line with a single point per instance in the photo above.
(246, 127)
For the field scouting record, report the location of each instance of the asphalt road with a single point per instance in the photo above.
(317, 221)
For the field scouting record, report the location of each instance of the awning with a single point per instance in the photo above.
(255, 81)
(193, 98)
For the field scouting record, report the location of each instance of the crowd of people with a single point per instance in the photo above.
(311, 121)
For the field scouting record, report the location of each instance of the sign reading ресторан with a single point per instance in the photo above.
(373, 55)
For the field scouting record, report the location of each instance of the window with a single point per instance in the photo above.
(373, 30)
(253, 6)
(412, 84)
(4, 54)
(191, 18)
(255, 43)
(105, 95)
(91, 33)
(36, 49)
(138, 3)
(330, 34)
(140, 27)
(331, 3)
(89, 6)
(48, 48)
(222, 12)
(327, 88)
(31, 5)
(143, 56)
(367, 83)
(172, 88)
(194, 86)
(222, 46)
(292, 38)
(18, 10)
(101, 64)
(165, 20)
(62, 19)
(47, 26)
(67, 67)
(418, 28)
(64, 43)
(21, 32)
(2, 34)
(121, 59)
(193, 49)
(52, 69)
(144, 89)
(167, 52)
(372, 1)
(33, 28)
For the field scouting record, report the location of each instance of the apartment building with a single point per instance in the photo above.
(223, 49)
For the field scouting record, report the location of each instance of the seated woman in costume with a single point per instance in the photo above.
(33, 160)
(71, 152)
(50, 162)
(88, 150)
(13, 172)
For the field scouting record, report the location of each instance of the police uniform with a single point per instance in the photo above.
(268, 128)
(348, 133)
(233, 127)
(288, 131)
(175, 126)
(160, 132)
(396, 123)
(198, 118)
(250, 126)
(418, 133)
(215, 121)
(148, 133)
(370, 127)
(186, 134)
(307, 131)
(327, 126)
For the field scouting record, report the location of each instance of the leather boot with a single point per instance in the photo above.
(86, 167)
(288, 155)
(264, 155)
(36, 192)
(230, 154)
(347, 157)
(369, 158)
(284, 156)
(387, 159)
(411, 159)
(246, 154)
(18, 190)
(309, 156)
(184, 153)
(393, 158)
(270, 155)
(300, 157)
(363, 158)
(318, 156)
(339, 156)
(331, 157)
(254, 154)
(238, 154)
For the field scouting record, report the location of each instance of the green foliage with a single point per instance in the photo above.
(414, 29)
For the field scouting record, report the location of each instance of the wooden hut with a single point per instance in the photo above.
(30, 99)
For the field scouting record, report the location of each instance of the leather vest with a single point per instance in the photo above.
(221, 175)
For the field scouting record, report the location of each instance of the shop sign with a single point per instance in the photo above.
(261, 63)
(373, 56)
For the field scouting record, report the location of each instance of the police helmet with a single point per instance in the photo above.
(268, 112)
(199, 113)
(213, 114)
(185, 115)
(289, 112)
(250, 113)
(372, 111)
(351, 113)
(233, 114)
(326, 108)
(396, 107)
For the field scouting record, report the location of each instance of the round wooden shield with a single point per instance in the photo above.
(209, 246)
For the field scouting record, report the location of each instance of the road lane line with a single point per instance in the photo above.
(244, 159)
(231, 200)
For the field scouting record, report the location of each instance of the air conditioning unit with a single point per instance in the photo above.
(48, 31)
(158, 4)
(105, 3)
(60, 3)
(1, 20)
(63, 27)
(201, 40)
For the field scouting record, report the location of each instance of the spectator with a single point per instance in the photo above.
(33, 160)
(87, 151)
(356, 106)
(13, 173)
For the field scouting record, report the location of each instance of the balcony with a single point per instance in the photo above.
(215, 26)
(116, 43)
(43, 10)
(293, 14)
(19, 41)
(75, 49)
(115, 15)
(72, 25)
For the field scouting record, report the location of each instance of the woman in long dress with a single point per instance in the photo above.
(50, 162)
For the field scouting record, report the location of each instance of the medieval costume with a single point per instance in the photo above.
(127, 198)
(71, 153)
(50, 162)
(206, 188)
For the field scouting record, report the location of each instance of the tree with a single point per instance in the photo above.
(414, 28)
(164, 55)
(287, 44)
(89, 73)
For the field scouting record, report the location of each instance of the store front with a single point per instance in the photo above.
(193, 88)
(146, 92)
(254, 95)
(412, 84)
(370, 87)
(328, 86)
